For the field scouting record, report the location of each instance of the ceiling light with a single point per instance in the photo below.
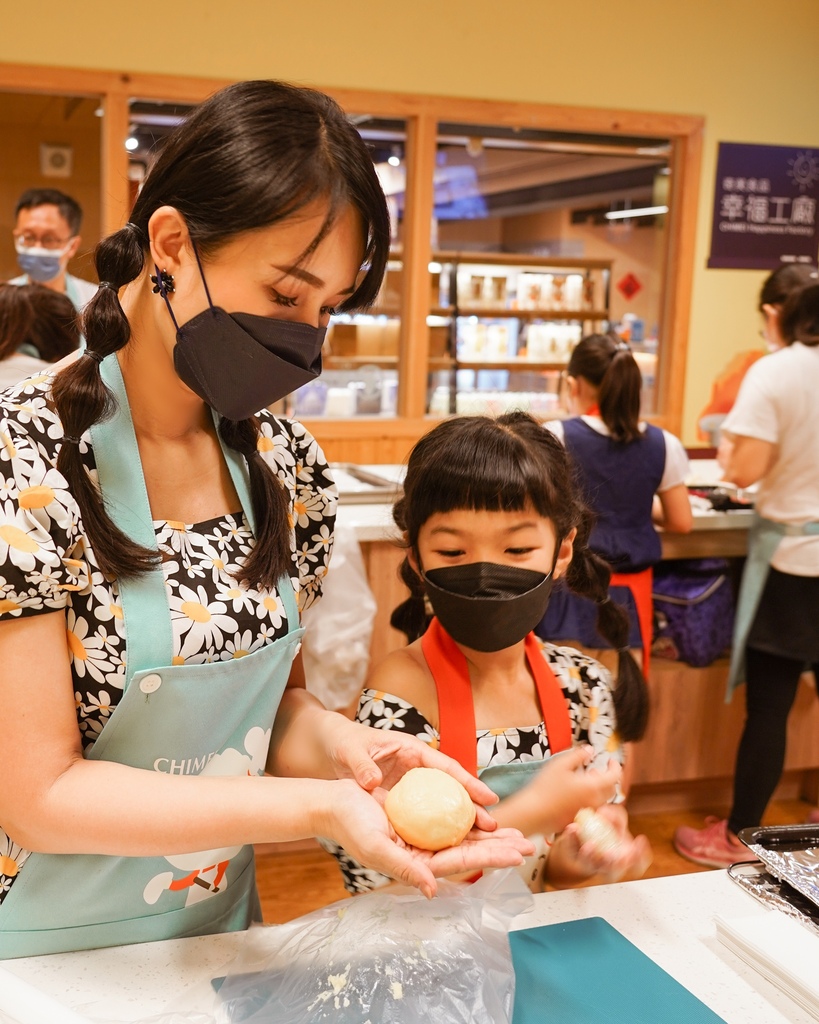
(641, 211)
(132, 143)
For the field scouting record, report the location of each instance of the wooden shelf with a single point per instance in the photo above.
(507, 364)
(521, 260)
(502, 313)
(339, 362)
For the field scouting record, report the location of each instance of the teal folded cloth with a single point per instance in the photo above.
(586, 972)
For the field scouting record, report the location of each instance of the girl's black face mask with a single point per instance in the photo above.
(487, 606)
(240, 363)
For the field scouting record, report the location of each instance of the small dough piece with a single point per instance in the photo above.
(595, 829)
(429, 809)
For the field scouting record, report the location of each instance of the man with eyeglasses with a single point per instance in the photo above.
(46, 236)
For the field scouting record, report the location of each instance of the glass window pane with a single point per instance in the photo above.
(360, 375)
(543, 237)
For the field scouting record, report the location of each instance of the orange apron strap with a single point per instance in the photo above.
(456, 710)
(640, 585)
(551, 697)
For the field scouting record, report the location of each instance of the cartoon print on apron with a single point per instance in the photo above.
(198, 719)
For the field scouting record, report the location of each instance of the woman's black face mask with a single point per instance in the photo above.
(240, 363)
(487, 606)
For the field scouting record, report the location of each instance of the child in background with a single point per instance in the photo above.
(491, 518)
(632, 475)
(38, 327)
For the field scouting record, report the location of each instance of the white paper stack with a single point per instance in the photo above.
(781, 949)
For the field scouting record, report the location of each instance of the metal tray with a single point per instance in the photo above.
(756, 880)
(790, 853)
(360, 486)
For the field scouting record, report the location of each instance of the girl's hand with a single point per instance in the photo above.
(557, 792)
(358, 823)
(379, 757)
(571, 861)
(565, 784)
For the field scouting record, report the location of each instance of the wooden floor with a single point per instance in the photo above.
(300, 877)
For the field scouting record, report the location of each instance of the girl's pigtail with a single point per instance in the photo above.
(270, 557)
(82, 399)
(410, 617)
(589, 575)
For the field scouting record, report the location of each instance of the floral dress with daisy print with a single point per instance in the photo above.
(586, 685)
(47, 562)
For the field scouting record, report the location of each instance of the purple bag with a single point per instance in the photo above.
(693, 610)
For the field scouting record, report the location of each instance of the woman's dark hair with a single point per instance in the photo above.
(799, 319)
(606, 362)
(33, 315)
(251, 156)
(509, 464)
(783, 282)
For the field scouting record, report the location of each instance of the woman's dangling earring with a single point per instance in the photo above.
(163, 283)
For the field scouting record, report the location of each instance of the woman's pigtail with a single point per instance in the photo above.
(270, 556)
(82, 399)
(589, 575)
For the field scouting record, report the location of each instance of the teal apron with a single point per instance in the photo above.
(763, 540)
(211, 719)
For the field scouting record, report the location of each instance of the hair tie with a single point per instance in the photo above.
(133, 227)
(603, 600)
(107, 284)
(96, 356)
(71, 439)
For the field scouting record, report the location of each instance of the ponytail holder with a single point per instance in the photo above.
(96, 356)
(603, 600)
(622, 346)
(255, 454)
(107, 284)
(70, 439)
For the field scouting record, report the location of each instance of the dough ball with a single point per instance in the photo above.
(429, 809)
(593, 828)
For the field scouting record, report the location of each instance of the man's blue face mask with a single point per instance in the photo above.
(40, 264)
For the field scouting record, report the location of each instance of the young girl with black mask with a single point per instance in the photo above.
(491, 519)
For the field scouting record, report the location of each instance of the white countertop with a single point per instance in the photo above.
(373, 521)
(669, 919)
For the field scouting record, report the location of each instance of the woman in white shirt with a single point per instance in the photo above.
(38, 326)
(771, 438)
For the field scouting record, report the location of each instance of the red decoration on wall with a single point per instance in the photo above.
(629, 285)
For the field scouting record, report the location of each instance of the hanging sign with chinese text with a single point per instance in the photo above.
(764, 206)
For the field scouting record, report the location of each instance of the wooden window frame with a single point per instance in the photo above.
(363, 440)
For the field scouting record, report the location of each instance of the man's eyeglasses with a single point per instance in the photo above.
(30, 241)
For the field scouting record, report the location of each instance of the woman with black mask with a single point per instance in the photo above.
(491, 518)
(156, 530)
